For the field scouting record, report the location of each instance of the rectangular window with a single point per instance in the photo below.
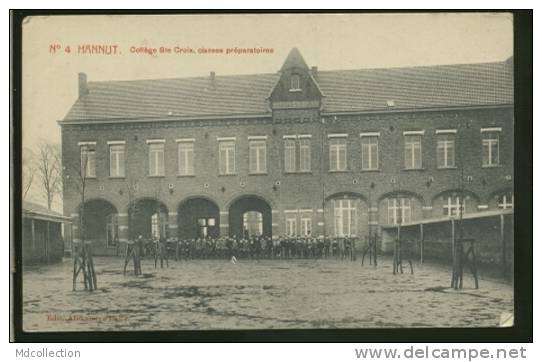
(186, 158)
(453, 206)
(304, 155)
(291, 224)
(88, 161)
(490, 145)
(413, 152)
(116, 160)
(156, 159)
(295, 83)
(369, 153)
(226, 157)
(399, 211)
(306, 225)
(337, 154)
(257, 156)
(289, 155)
(345, 218)
(445, 150)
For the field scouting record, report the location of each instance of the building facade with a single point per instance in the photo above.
(297, 152)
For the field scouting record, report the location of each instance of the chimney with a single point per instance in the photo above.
(314, 72)
(83, 87)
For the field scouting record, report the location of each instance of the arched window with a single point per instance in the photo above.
(453, 205)
(252, 223)
(399, 211)
(158, 225)
(345, 213)
(505, 200)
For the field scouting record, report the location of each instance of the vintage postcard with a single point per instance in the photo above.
(267, 171)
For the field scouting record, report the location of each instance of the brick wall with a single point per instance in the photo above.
(295, 191)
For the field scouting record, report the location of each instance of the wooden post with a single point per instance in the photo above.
(454, 267)
(33, 235)
(453, 239)
(47, 243)
(375, 240)
(503, 247)
(395, 242)
(422, 240)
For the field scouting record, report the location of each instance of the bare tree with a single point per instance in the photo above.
(77, 176)
(49, 171)
(29, 170)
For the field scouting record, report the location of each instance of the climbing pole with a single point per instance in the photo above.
(460, 257)
(160, 252)
(398, 256)
(83, 263)
(371, 242)
(133, 253)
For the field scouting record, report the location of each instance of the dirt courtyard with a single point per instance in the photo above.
(252, 294)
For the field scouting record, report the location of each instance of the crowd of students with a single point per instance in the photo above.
(256, 247)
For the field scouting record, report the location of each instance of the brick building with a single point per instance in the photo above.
(300, 151)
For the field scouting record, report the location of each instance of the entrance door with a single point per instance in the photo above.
(111, 231)
(205, 225)
(252, 224)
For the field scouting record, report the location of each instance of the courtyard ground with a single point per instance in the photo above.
(217, 294)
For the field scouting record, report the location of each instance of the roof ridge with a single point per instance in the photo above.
(503, 62)
(202, 77)
(320, 71)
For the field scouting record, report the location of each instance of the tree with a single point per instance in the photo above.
(49, 171)
(76, 175)
(29, 170)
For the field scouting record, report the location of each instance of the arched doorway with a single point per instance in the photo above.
(149, 218)
(100, 222)
(198, 218)
(250, 215)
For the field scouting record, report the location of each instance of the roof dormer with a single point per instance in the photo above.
(296, 84)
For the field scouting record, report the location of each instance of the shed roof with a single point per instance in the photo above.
(35, 211)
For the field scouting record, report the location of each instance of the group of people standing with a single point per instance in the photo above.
(255, 247)
(263, 247)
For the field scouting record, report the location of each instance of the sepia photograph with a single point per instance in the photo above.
(205, 172)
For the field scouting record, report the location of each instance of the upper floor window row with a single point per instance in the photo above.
(297, 153)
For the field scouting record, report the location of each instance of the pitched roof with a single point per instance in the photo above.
(294, 60)
(458, 85)
(38, 211)
(418, 87)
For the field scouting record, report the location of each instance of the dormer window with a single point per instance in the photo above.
(295, 83)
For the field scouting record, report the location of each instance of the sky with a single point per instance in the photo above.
(329, 41)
